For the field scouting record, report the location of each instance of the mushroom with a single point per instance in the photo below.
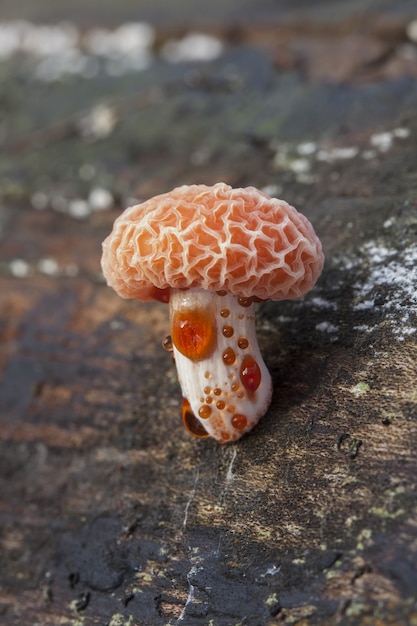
(212, 253)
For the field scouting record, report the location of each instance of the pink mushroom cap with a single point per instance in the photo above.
(214, 238)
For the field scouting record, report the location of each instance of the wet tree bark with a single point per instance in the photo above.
(110, 513)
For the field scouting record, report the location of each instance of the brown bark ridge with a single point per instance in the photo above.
(110, 513)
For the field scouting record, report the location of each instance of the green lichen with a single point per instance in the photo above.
(272, 600)
(120, 620)
(360, 389)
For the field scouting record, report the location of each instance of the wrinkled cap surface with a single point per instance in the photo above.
(215, 238)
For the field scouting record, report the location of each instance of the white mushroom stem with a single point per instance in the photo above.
(224, 381)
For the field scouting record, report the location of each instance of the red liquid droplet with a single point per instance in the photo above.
(193, 332)
(162, 295)
(227, 331)
(191, 423)
(250, 374)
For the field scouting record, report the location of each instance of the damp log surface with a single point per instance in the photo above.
(110, 513)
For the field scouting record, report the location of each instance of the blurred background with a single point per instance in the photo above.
(109, 511)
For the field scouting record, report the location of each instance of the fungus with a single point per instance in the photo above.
(212, 253)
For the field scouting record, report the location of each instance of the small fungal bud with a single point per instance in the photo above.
(212, 253)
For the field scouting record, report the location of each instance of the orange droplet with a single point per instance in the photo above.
(225, 312)
(225, 436)
(191, 423)
(244, 301)
(217, 391)
(229, 356)
(204, 411)
(250, 374)
(220, 405)
(207, 390)
(227, 331)
(243, 343)
(235, 386)
(239, 421)
(193, 332)
(209, 399)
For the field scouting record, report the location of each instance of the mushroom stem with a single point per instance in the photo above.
(225, 383)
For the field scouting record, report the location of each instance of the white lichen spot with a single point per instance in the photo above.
(193, 47)
(273, 191)
(321, 303)
(340, 153)
(48, 266)
(79, 209)
(299, 166)
(306, 148)
(99, 122)
(271, 571)
(392, 276)
(129, 44)
(100, 199)
(19, 268)
(401, 132)
(326, 327)
(382, 141)
(364, 305)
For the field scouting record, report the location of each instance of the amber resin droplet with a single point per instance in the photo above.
(220, 405)
(225, 312)
(229, 356)
(193, 332)
(204, 411)
(250, 374)
(243, 343)
(227, 331)
(167, 343)
(191, 423)
(239, 421)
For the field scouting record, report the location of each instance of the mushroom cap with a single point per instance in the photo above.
(216, 238)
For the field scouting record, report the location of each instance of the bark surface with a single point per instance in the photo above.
(110, 513)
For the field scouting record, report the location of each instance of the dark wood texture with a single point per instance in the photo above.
(110, 513)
